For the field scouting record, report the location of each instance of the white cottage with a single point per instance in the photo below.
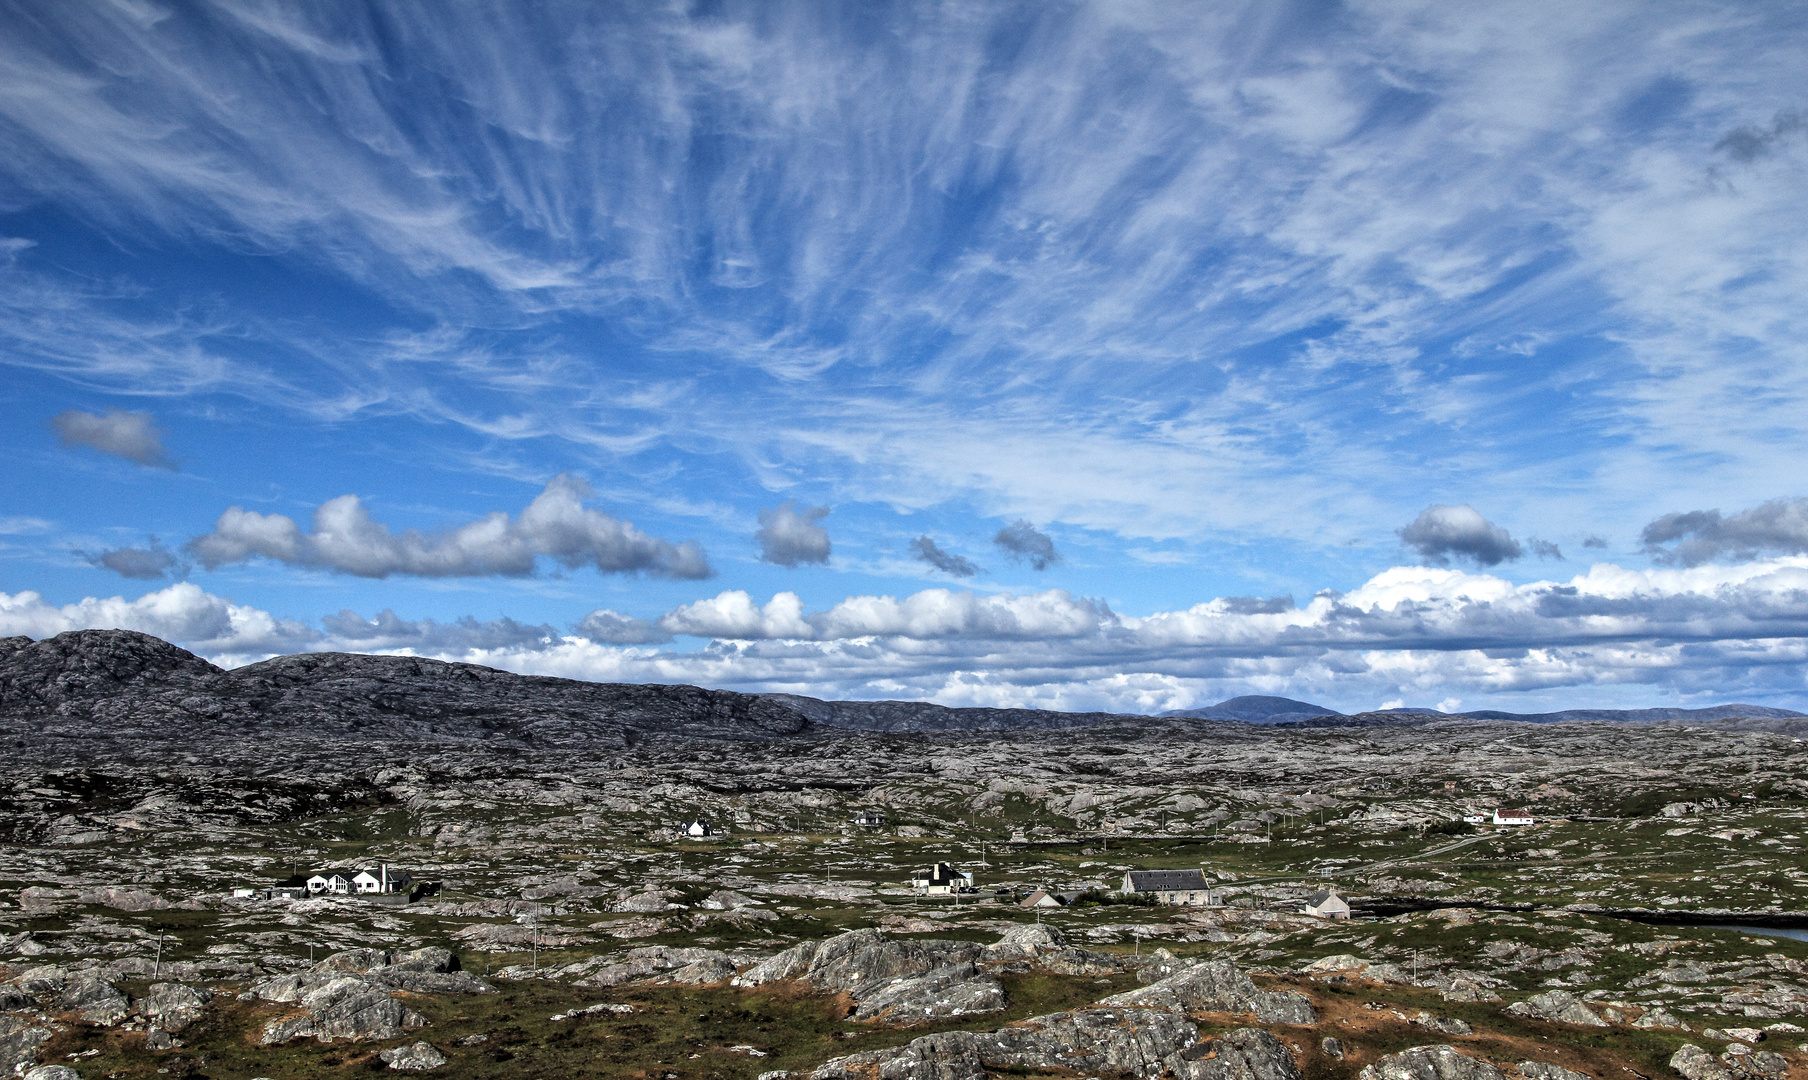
(1327, 905)
(1184, 887)
(940, 880)
(1514, 817)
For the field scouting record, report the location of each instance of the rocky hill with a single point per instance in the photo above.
(121, 685)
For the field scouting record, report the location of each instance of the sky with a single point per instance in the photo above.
(1122, 356)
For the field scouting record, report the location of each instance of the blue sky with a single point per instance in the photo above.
(1093, 356)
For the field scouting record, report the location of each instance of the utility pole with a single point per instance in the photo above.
(157, 967)
(536, 930)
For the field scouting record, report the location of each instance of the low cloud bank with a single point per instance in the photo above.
(557, 524)
(1424, 633)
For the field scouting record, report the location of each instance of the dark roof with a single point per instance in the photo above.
(1318, 899)
(1166, 880)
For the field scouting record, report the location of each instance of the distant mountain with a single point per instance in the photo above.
(1644, 716)
(1256, 709)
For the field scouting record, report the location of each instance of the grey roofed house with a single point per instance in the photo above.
(1327, 904)
(1187, 887)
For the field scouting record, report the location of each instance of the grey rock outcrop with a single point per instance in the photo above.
(955, 990)
(19, 1042)
(1557, 1006)
(52, 1072)
(172, 1006)
(903, 982)
(1661, 1018)
(1136, 1042)
(1430, 1063)
(1544, 1070)
(94, 999)
(417, 1057)
(691, 966)
(1218, 986)
(1443, 1025)
(335, 1006)
(1026, 942)
(1694, 1063)
(1332, 1047)
(1245, 1054)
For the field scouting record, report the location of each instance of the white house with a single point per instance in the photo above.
(382, 880)
(699, 827)
(1327, 905)
(330, 882)
(870, 819)
(940, 880)
(1513, 817)
(1184, 887)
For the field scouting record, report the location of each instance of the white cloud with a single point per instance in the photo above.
(1441, 532)
(347, 539)
(789, 536)
(1690, 539)
(181, 613)
(1610, 636)
(130, 435)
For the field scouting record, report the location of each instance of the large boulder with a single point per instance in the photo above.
(52, 1072)
(1557, 1006)
(1245, 1054)
(692, 966)
(1025, 942)
(418, 1057)
(1430, 1063)
(1133, 1042)
(94, 999)
(19, 1042)
(432, 970)
(860, 960)
(1218, 986)
(1544, 1070)
(955, 990)
(172, 1006)
(1694, 1063)
(336, 1007)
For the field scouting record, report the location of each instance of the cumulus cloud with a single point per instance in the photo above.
(1442, 532)
(142, 564)
(556, 524)
(130, 435)
(924, 548)
(790, 537)
(1595, 542)
(1544, 549)
(1698, 536)
(182, 613)
(1023, 542)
